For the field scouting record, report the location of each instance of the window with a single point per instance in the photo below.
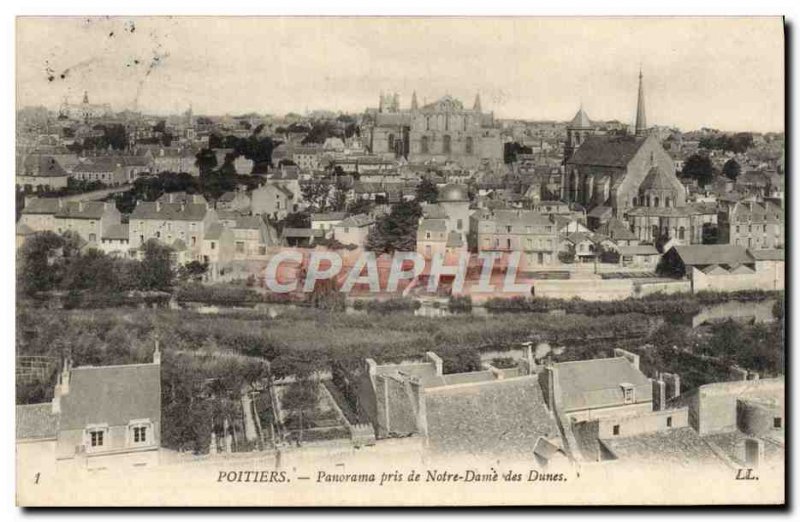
(425, 145)
(508, 228)
(139, 434)
(777, 423)
(681, 232)
(262, 250)
(96, 438)
(655, 201)
(240, 247)
(616, 429)
(158, 235)
(508, 243)
(92, 237)
(627, 391)
(194, 240)
(669, 422)
(213, 245)
(469, 145)
(460, 224)
(391, 142)
(446, 144)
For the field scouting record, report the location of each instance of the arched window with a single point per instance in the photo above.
(469, 145)
(648, 201)
(655, 201)
(668, 202)
(446, 144)
(634, 202)
(425, 145)
(655, 233)
(681, 233)
(391, 142)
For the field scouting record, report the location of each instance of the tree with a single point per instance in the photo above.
(427, 191)
(156, 270)
(732, 169)
(317, 195)
(206, 161)
(698, 167)
(568, 255)
(396, 231)
(194, 270)
(38, 269)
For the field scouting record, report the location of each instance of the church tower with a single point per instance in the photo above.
(641, 119)
(414, 104)
(477, 106)
(577, 130)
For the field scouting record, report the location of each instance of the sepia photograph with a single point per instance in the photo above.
(399, 261)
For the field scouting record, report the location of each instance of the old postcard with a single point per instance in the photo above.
(346, 261)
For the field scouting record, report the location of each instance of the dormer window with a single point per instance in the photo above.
(95, 437)
(628, 393)
(140, 432)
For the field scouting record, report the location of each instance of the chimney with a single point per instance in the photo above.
(65, 375)
(417, 394)
(659, 394)
(158, 206)
(672, 382)
(753, 452)
(436, 360)
(157, 354)
(529, 359)
(60, 203)
(80, 206)
(632, 357)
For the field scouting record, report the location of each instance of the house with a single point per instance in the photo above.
(116, 240)
(586, 246)
(745, 419)
(186, 221)
(490, 413)
(39, 214)
(752, 225)
(353, 230)
(511, 230)
(639, 256)
(218, 248)
(109, 170)
(251, 236)
(237, 200)
(100, 417)
(276, 199)
(35, 171)
(598, 388)
(725, 267)
(326, 221)
(301, 237)
(88, 219)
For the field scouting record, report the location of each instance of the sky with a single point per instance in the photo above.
(725, 73)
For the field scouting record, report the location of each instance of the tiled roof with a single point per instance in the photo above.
(169, 211)
(713, 255)
(501, 417)
(580, 121)
(677, 447)
(36, 421)
(607, 151)
(597, 382)
(116, 232)
(732, 445)
(111, 394)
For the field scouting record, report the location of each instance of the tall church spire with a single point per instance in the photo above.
(641, 119)
(477, 106)
(414, 105)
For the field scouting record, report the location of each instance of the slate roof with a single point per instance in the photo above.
(692, 255)
(500, 417)
(117, 232)
(617, 230)
(639, 250)
(768, 254)
(249, 222)
(41, 166)
(678, 447)
(433, 225)
(580, 121)
(111, 394)
(302, 232)
(601, 212)
(595, 383)
(607, 151)
(656, 179)
(660, 211)
(359, 220)
(170, 211)
(41, 206)
(504, 217)
(36, 421)
(213, 232)
(329, 216)
(181, 197)
(732, 445)
(98, 164)
(81, 210)
(24, 230)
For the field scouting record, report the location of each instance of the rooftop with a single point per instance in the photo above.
(597, 382)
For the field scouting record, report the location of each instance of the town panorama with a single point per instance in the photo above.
(265, 302)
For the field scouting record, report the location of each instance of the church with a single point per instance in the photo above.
(440, 131)
(630, 177)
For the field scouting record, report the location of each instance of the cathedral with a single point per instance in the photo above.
(630, 177)
(440, 131)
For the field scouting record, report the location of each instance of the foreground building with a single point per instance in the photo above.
(100, 417)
